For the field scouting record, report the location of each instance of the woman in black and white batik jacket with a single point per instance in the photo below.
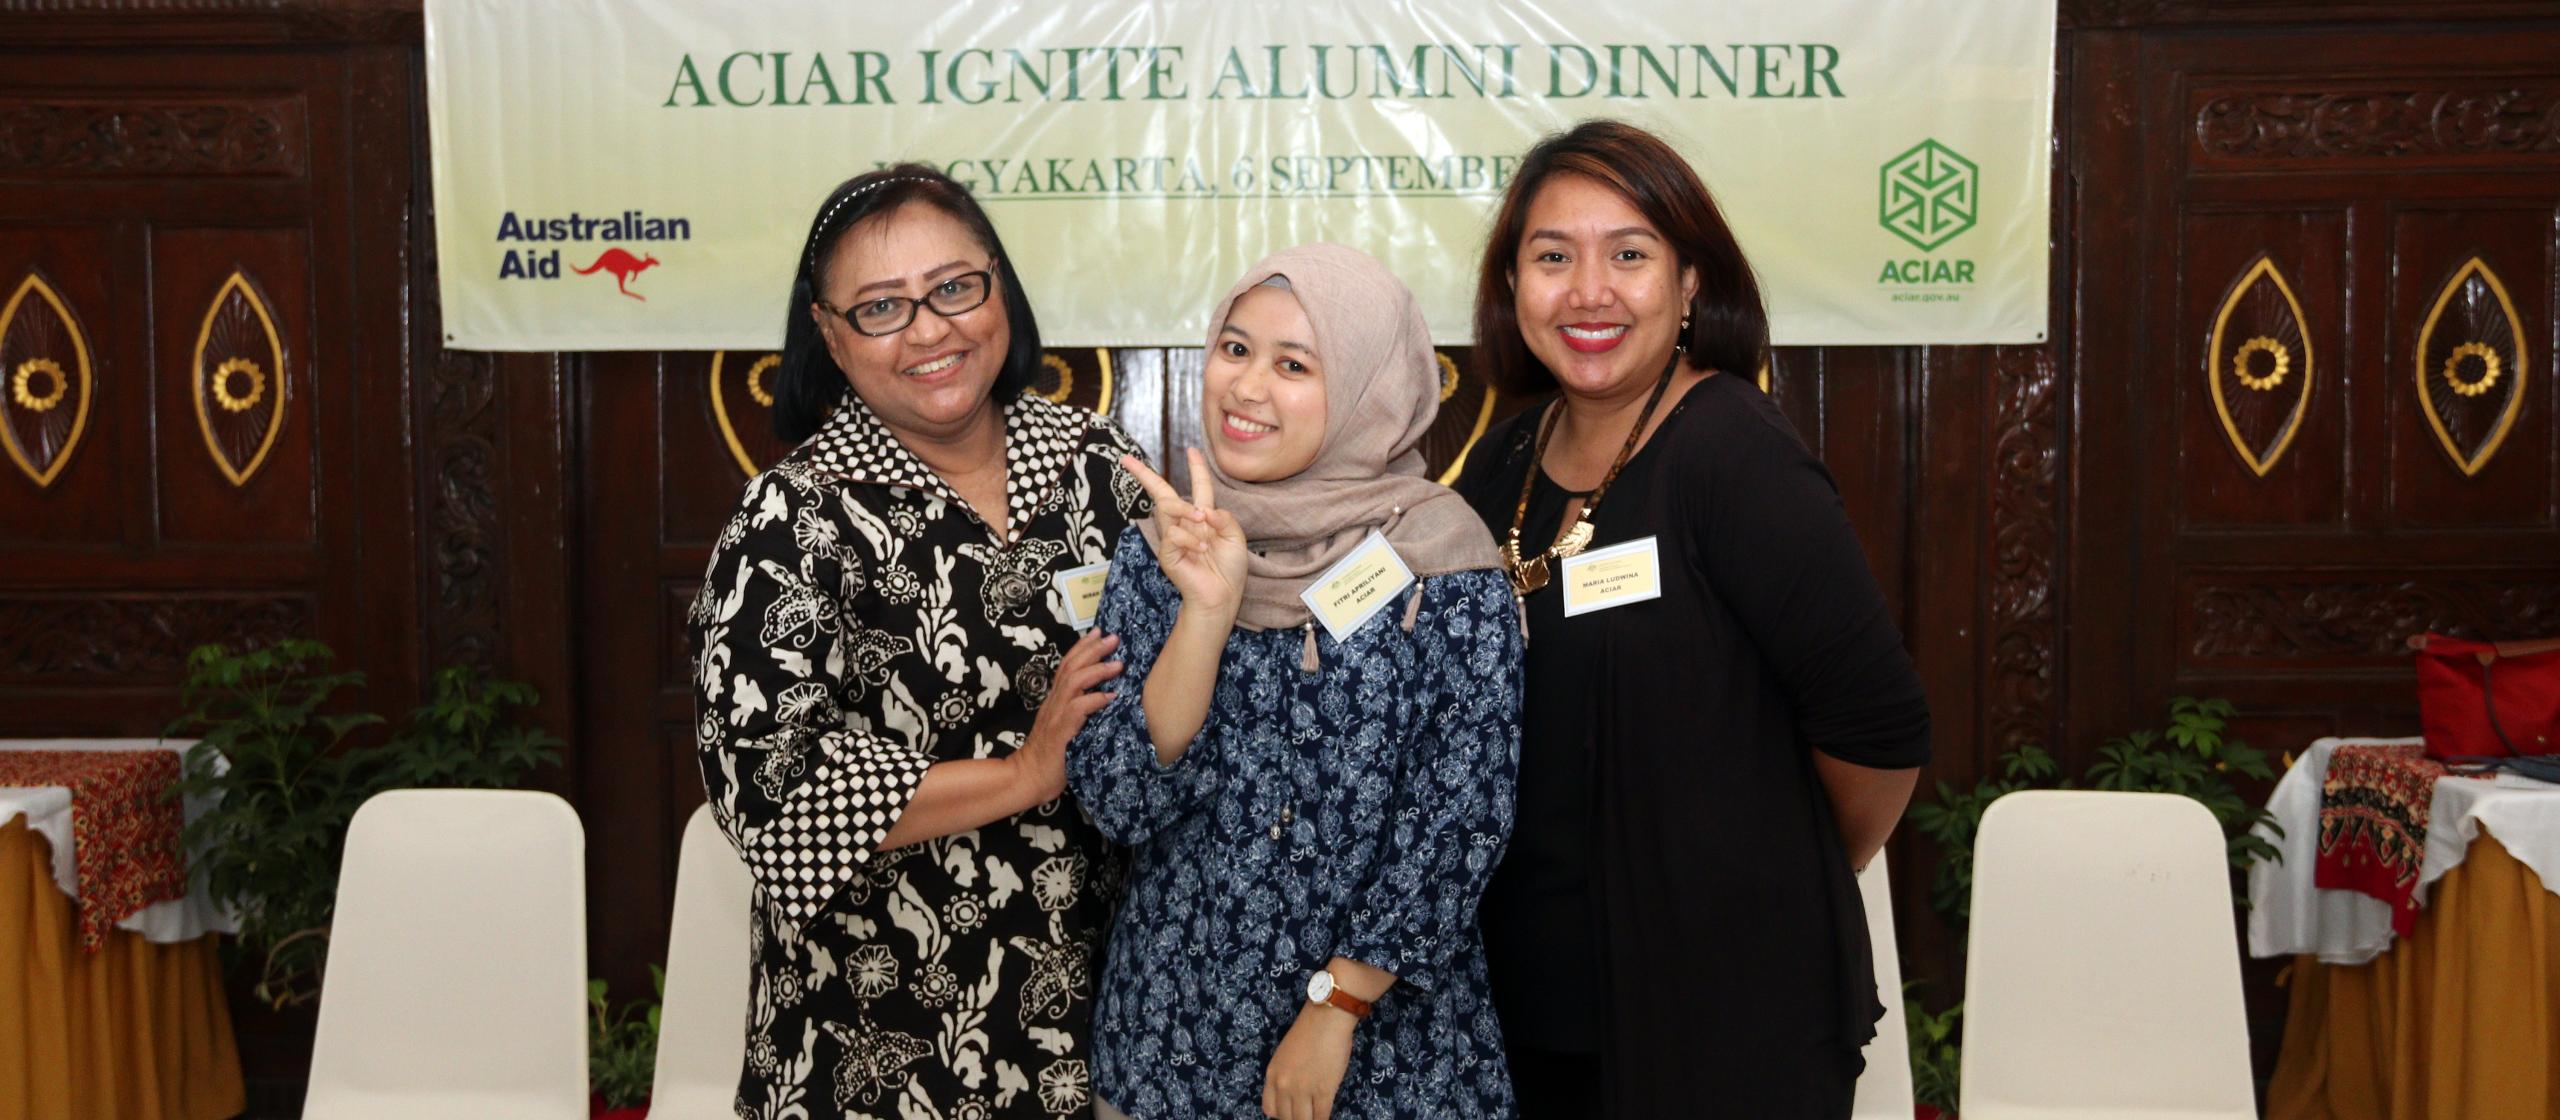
(887, 677)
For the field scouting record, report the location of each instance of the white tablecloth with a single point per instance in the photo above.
(2288, 915)
(48, 812)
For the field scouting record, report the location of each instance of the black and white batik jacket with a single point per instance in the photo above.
(858, 623)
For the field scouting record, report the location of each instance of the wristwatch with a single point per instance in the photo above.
(1321, 989)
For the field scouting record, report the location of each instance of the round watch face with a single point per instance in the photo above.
(1320, 987)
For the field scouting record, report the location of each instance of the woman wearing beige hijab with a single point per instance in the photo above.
(1312, 748)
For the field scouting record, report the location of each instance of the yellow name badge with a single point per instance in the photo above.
(1082, 588)
(1358, 586)
(1612, 577)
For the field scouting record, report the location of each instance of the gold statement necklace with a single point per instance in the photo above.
(1529, 575)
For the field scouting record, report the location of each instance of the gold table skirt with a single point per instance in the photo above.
(133, 1031)
(2460, 1020)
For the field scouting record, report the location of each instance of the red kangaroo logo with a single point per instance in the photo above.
(623, 266)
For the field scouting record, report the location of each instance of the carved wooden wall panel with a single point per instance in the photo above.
(699, 476)
(2264, 380)
(164, 135)
(61, 381)
(45, 357)
(2478, 459)
(2472, 365)
(2356, 620)
(2369, 123)
(234, 385)
(2023, 600)
(241, 471)
(2368, 168)
(127, 640)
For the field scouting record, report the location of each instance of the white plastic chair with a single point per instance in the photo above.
(702, 1025)
(2103, 977)
(1884, 1090)
(456, 983)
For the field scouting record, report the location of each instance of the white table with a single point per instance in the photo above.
(2288, 915)
(48, 813)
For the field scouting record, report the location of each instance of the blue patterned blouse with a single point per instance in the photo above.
(1356, 811)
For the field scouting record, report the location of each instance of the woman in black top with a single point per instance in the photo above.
(1675, 930)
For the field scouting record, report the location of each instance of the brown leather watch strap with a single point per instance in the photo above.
(1358, 1007)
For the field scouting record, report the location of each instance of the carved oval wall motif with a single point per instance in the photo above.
(2259, 366)
(1466, 410)
(2471, 366)
(44, 380)
(239, 375)
(1065, 379)
(742, 406)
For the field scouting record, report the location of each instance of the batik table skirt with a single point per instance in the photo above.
(134, 1029)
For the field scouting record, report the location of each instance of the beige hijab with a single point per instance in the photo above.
(1381, 391)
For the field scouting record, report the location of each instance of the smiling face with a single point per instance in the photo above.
(1263, 405)
(1597, 290)
(933, 378)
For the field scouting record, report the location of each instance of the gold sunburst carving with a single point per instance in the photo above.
(2489, 371)
(2279, 359)
(1064, 391)
(22, 385)
(238, 318)
(36, 318)
(755, 378)
(248, 371)
(1066, 377)
(2267, 301)
(2484, 318)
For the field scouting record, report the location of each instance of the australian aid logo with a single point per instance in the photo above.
(598, 247)
(1928, 196)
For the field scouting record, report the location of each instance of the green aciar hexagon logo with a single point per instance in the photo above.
(1928, 194)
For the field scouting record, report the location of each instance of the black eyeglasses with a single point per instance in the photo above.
(951, 295)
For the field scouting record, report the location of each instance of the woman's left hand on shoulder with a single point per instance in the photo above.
(1307, 1070)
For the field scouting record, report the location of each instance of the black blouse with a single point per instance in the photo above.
(1675, 896)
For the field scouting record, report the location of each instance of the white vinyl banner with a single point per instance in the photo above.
(639, 174)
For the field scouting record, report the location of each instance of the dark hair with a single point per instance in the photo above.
(1728, 328)
(809, 385)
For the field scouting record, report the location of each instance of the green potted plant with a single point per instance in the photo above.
(283, 770)
(1937, 1063)
(622, 1050)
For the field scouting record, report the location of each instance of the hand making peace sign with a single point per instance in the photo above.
(1203, 550)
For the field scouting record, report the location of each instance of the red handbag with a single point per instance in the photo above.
(2488, 699)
